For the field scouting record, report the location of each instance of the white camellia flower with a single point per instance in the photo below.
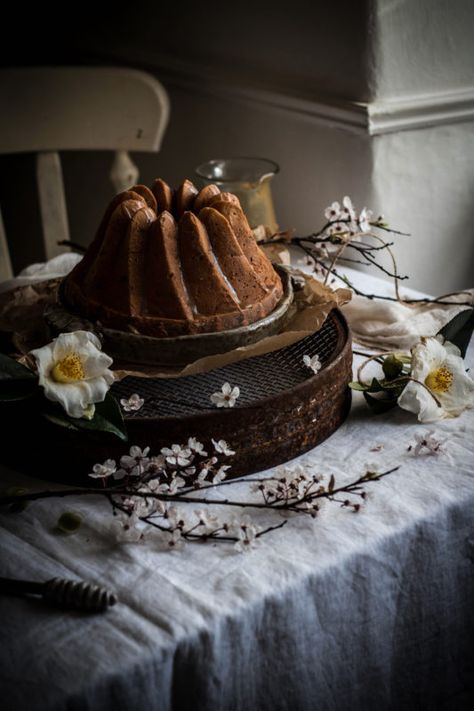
(74, 372)
(447, 389)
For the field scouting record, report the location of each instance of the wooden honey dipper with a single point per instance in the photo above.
(71, 594)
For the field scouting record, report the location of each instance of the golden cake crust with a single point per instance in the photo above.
(156, 273)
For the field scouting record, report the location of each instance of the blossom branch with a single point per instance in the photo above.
(151, 488)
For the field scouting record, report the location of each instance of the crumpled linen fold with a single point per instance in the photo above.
(391, 325)
(53, 269)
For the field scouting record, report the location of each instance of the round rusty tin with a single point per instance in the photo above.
(284, 410)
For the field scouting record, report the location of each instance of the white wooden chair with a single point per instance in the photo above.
(46, 110)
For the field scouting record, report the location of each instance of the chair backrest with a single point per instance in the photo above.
(47, 110)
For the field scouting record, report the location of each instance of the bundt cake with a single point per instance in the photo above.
(167, 263)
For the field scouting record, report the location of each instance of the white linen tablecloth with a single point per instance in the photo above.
(369, 611)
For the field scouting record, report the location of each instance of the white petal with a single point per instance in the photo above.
(94, 390)
(415, 398)
(427, 356)
(461, 393)
(451, 349)
(70, 396)
(226, 389)
(44, 360)
(95, 363)
(75, 341)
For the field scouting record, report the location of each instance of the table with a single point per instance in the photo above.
(367, 611)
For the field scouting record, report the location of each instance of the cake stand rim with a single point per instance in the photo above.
(340, 352)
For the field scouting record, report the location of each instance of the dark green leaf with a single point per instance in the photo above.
(60, 418)
(379, 404)
(110, 410)
(10, 368)
(459, 330)
(107, 418)
(16, 381)
(13, 390)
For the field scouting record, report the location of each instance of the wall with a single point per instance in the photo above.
(423, 47)
(373, 99)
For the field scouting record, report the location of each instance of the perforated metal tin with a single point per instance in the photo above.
(261, 377)
(283, 410)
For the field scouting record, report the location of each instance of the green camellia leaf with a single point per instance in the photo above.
(69, 522)
(16, 381)
(107, 418)
(59, 417)
(373, 387)
(355, 385)
(459, 330)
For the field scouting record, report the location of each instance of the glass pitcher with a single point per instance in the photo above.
(249, 179)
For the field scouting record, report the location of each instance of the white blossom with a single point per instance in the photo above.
(227, 397)
(136, 462)
(444, 388)
(221, 447)
(174, 517)
(333, 212)
(313, 363)
(196, 447)
(201, 479)
(365, 219)
(156, 465)
(427, 443)
(336, 228)
(220, 474)
(158, 487)
(133, 403)
(177, 455)
(176, 483)
(128, 528)
(102, 471)
(74, 372)
(371, 469)
(207, 519)
(246, 532)
(348, 212)
(345, 222)
(175, 539)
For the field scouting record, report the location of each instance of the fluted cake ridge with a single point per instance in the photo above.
(167, 263)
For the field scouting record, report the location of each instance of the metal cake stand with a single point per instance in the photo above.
(284, 409)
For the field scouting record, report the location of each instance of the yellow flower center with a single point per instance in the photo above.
(439, 380)
(68, 369)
